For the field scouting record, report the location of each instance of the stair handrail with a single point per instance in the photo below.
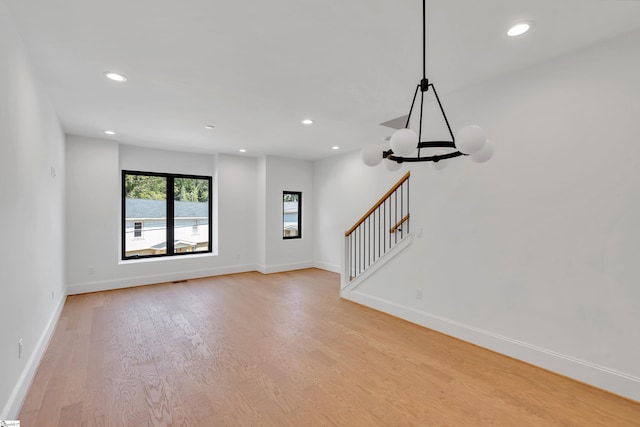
(402, 221)
(378, 203)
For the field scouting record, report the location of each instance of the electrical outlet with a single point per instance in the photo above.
(419, 233)
(91, 271)
(20, 348)
(53, 295)
(419, 293)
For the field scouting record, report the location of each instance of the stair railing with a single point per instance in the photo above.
(379, 230)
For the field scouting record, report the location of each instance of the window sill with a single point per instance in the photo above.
(167, 258)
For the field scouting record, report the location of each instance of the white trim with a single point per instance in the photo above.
(284, 267)
(16, 399)
(328, 267)
(129, 282)
(191, 255)
(602, 377)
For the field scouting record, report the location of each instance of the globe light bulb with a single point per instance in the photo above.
(371, 155)
(404, 142)
(484, 154)
(470, 139)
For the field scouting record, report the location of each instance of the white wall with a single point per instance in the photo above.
(93, 206)
(533, 254)
(237, 197)
(280, 175)
(261, 213)
(32, 210)
(92, 212)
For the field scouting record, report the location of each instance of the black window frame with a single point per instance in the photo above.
(170, 195)
(299, 194)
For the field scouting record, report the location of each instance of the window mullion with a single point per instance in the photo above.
(123, 202)
(170, 216)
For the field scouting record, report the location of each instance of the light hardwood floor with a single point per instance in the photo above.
(284, 350)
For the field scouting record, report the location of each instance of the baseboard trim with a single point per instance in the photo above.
(16, 399)
(328, 267)
(268, 269)
(129, 282)
(611, 380)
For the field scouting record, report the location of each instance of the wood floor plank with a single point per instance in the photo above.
(284, 350)
(70, 415)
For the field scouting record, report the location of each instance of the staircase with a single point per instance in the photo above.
(378, 232)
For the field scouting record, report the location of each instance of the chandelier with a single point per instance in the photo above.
(407, 146)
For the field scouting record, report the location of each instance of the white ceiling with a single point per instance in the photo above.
(255, 69)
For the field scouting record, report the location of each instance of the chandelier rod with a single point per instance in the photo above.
(453, 138)
(424, 39)
(420, 126)
(412, 104)
(424, 83)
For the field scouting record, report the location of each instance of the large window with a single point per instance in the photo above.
(291, 214)
(165, 214)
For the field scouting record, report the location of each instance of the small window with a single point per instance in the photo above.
(137, 229)
(291, 215)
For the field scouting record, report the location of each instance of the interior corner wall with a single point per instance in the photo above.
(237, 195)
(32, 172)
(533, 254)
(261, 190)
(284, 174)
(94, 210)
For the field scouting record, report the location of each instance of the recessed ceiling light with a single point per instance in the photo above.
(335, 147)
(519, 29)
(109, 132)
(210, 127)
(307, 122)
(116, 77)
(242, 150)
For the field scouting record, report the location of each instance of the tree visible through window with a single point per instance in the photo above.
(159, 212)
(291, 214)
